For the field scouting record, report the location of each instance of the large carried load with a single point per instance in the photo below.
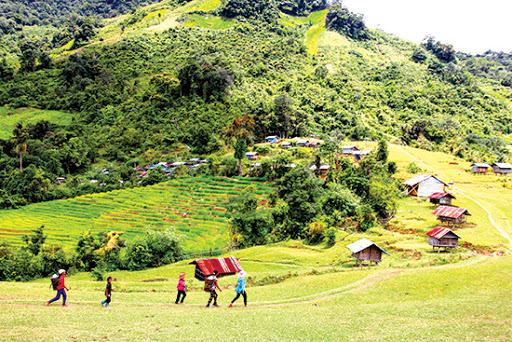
(205, 268)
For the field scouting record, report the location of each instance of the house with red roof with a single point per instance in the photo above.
(443, 198)
(443, 237)
(453, 215)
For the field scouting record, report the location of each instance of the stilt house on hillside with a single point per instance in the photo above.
(225, 267)
(480, 167)
(502, 168)
(366, 250)
(453, 215)
(443, 237)
(424, 185)
(443, 198)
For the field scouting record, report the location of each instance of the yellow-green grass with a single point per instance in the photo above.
(195, 207)
(317, 22)
(9, 117)
(469, 301)
(201, 5)
(208, 22)
(156, 14)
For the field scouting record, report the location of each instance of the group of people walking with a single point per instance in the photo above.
(212, 280)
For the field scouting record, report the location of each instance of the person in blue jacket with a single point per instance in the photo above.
(240, 288)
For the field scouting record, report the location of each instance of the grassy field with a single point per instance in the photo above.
(194, 206)
(469, 301)
(9, 117)
(208, 22)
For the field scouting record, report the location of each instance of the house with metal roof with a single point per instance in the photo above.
(286, 145)
(443, 237)
(366, 250)
(348, 150)
(225, 267)
(273, 139)
(452, 215)
(302, 143)
(502, 168)
(252, 155)
(480, 167)
(443, 198)
(424, 185)
(324, 169)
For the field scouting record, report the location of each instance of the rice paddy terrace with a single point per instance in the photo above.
(194, 206)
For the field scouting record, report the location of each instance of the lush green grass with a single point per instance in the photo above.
(316, 23)
(9, 117)
(194, 206)
(208, 22)
(468, 301)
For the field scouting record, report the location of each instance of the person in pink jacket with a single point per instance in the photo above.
(181, 289)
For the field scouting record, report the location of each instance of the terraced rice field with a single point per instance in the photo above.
(194, 206)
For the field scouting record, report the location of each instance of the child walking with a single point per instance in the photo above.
(61, 290)
(181, 289)
(215, 286)
(240, 289)
(108, 293)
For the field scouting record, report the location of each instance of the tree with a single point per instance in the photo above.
(382, 151)
(342, 20)
(19, 139)
(240, 151)
(35, 241)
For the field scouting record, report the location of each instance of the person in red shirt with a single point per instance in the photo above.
(215, 286)
(61, 290)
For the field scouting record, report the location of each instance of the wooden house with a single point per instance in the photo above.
(324, 169)
(313, 144)
(348, 150)
(424, 185)
(225, 267)
(453, 215)
(502, 168)
(273, 139)
(366, 250)
(443, 237)
(442, 198)
(286, 145)
(480, 167)
(252, 155)
(302, 143)
(358, 155)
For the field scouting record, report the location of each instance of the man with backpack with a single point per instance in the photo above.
(212, 283)
(61, 288)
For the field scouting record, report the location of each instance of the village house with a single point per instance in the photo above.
(424, 185)
(324, 169)
(286, 145)
(453, 215)
(442, 237)
(502, 168)
(302, 143)
(366, 250)
(348, 150)
(443, 198)
(480, 167)
(358, 155)
(273, 139)
(252, 155)
(313, 144)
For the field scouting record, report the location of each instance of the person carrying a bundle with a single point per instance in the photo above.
(212, 283)
(108, 293)
(61, 289)
(240, 288)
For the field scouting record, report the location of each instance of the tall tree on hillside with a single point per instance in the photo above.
(19, 139)
(382, 151)
(240, 128)
(240, 151)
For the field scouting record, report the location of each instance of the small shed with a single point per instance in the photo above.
(313, 144)
(302, 143)
(480, 167)
(443, 198)
(324, 169)
(252, 155)
(366, 250)
(502, 168)
(452, 215)
(273, 139)
(424, 185)
(225, 267)
(443, 237)
(358, 155)
(348, 150)
(286, 145)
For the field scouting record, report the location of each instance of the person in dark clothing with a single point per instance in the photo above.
(61, 289)
(215, 286)
(108, 293)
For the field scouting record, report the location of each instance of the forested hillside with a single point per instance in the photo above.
(168, 79)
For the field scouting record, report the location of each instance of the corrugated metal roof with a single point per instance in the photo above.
(225, 266)
(363, 244)
(362, 153)
(420, 178)
(438, 232)
(481, 165)
(325, 167)
(503, 165)
(452, 212)
(438, 195)
(348, 147)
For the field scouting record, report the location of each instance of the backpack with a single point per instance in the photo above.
(55, 281)
(208, 283)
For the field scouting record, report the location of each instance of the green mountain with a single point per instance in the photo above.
(173, 75)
